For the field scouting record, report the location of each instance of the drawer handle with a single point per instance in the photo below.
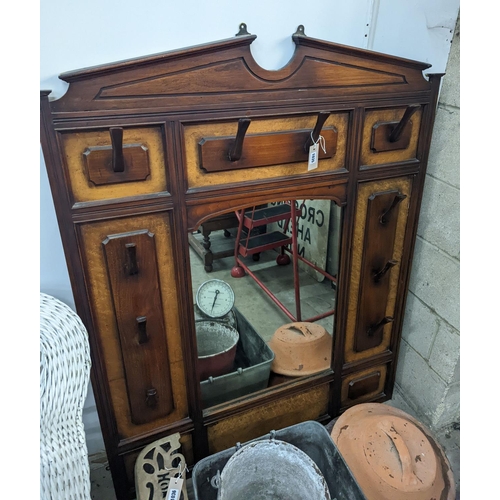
(151, 399)
(313, 138)
(237, 148)
(380, 274)
(398, 129)
(374, 329)
(132, 267)
(141, 326)
(395, 202)
(116, 134)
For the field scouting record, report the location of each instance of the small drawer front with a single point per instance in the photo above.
(378, 242)
(114, 162)
(390, 135)
(363, 386)
(246, 150)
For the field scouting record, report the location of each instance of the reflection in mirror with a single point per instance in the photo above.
(264, 285)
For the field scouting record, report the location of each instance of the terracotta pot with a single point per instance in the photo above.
(300, 349)
(392, 455)
(217, 344)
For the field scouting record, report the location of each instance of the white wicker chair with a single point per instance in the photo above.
(64, 376)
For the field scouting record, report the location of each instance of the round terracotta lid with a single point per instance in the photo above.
(301, 348)
(392, 455)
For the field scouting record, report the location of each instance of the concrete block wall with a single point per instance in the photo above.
(428, 374)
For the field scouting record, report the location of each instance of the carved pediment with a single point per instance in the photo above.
(179, 80)
(219, 77)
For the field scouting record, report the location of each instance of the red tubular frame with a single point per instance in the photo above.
(295, 263)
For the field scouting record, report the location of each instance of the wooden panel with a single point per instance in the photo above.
(101, 169)
(194, 134)
(133, 276)
(376, 149)
(380, 232)
(381, 133)
(260, 150)
(390, 280)
(258, 421)
(363, 386)
(88, 162)
(225, 75)
(91, 236)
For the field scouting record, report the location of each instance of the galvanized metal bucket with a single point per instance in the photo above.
(310, 437)
(271, 469)
(216, 348)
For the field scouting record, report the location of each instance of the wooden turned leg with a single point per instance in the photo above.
(208, 257)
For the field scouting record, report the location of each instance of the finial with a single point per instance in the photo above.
(243, 30)
(300, 31)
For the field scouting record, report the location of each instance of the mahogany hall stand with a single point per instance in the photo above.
(140, 153)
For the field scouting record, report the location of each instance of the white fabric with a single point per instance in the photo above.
(64, 376)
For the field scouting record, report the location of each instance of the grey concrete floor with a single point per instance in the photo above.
(257, 307)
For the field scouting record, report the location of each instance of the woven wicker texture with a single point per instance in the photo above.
(64, 377)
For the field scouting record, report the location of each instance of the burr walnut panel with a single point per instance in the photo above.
(194, 135)
(377, 148)
(89, 156)
(137, 354)
(358, 345)
(308, 405)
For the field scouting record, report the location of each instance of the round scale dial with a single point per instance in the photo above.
(215, 298)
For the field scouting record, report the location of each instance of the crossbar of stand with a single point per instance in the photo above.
(253, 245)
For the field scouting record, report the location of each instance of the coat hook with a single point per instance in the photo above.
(152, 397)
(237, 148)
(117, 145)
(322, 116)
(141, 326)
(398, 129)
(375, 328)
(380, 274)
(131, 266)
(395, 202)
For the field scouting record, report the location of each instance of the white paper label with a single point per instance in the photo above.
(313, 157)
(174, 489)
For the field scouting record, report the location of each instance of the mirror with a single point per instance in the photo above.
(264, 283)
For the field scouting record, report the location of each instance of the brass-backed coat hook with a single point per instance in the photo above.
(398, 129)
(322, 116)
(234, 153)
(116, 134)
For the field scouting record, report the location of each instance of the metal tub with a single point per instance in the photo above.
(310, 437)
(252, 367)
